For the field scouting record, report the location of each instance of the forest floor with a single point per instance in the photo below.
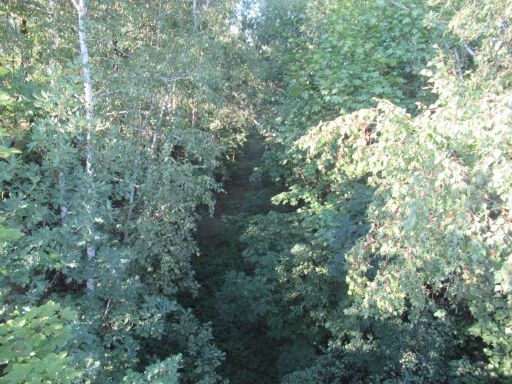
(220, 253)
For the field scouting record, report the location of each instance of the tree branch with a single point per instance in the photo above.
(75, 4)
(399, 5)
(176, 78)
(469, 50)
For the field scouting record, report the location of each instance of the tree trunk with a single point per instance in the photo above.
(81, 8)
(194, 14)
(84, 53)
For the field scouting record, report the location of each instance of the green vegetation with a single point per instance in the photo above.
(256, 191)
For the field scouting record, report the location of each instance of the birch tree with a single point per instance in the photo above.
(81, 8)
(195, 14)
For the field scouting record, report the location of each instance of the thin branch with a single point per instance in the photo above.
(256, 122)
(176, 78)
(457, 62)
(399, 5)
(40, 9)
(75, 4)
(469, 50)
(107, 310)
(54, 280)
(117, 113)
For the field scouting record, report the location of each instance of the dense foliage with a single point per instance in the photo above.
(105, 189)
(394, 265)
(250, 191)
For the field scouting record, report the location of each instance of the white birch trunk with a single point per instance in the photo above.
(84, 53)
(194, 14)
(81, 8)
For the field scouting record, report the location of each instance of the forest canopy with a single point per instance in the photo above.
(256, 191)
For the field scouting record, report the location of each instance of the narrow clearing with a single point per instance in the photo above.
(221, 252)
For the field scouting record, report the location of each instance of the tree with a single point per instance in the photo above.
(385, 194)
(152, 105)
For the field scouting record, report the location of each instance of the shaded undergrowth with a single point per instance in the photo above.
(250, 352)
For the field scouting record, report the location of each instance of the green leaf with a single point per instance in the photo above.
(5, 152)
(8, 234)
